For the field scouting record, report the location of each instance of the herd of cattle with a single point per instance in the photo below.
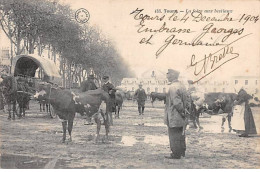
(67, 102)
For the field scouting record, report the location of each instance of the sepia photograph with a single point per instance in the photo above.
(128, 84)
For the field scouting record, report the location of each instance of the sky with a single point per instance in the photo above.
(113, 18)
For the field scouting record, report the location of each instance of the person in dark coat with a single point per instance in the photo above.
(175, 116)
(88, 84)
(249, 123)
(140, 96)
(110, 89)
(85, 86)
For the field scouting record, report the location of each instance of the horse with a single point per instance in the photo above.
(13, 93)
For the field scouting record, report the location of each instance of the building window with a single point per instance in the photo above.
(246, 82)
(148, 90)
(236, 81)
(223, 90)
(156, 90)
(255, 82)
(164, 90)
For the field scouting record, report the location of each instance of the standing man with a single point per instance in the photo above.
(85, 86)
(110, 89)
(140, 96)
(175, 117)
(88, 84)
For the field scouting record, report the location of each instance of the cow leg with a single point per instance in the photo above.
(110, 118)
(14, 109)
(107, 128)
(118, 110)
(198, 122)
(9, 111)
(194, 123)
(223, 122)
(98, 121)
(70, 126)
(24, 107)
(47, 107)
(229, 122)
(64, 126)
(43, 107)
(40, 107)
(20, 112)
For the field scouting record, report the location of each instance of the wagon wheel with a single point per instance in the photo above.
(52, 113)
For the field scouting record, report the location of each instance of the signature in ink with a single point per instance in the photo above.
(212, 61)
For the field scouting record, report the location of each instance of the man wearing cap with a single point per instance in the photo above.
(175, 116)
(110, 89)
(85, 86)
(140, 96)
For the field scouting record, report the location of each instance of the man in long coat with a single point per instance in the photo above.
(140, 96)
(175, 117)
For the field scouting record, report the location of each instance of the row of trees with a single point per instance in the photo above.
(40, 25)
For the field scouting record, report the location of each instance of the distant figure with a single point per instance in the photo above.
(85, 86)
(175, 116)
(243, 120)
(140, 96)
(110, 89)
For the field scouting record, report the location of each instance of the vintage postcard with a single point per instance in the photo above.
(128, 84)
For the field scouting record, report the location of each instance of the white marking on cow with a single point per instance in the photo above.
(41, 93)
(75, 97)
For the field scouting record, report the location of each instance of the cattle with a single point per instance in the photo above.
(221, 101)
(92, 99)
(64, 103)
(158, 96)
(118, 103)
(129, 95)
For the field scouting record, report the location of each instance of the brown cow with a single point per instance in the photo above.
(64, 103)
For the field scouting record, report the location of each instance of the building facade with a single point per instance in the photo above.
(156, 81)
(152, 81)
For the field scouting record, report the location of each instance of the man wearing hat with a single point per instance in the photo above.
(85, 86)
(175, 116)
(88, 84)
(110, 89)
(140, 96)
